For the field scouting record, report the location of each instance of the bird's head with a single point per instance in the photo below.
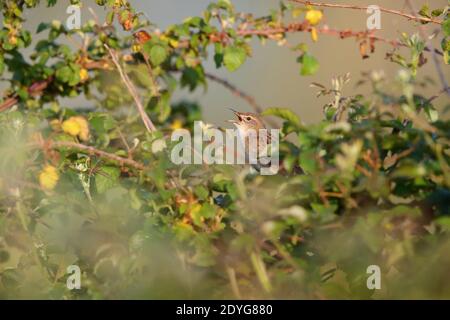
(247, 120)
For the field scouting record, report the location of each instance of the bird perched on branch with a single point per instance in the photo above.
(248, 123)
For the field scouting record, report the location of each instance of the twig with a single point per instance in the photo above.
(435, 96)
(363, 170)
(97, 152)
(333, 194)
(368, 35)
(435, 58)
(239, 93)
(8, 103)
(233, 282)
(355, 7)
(125, 143)
(155, 85)
(40, 86)
(268, 32)
(34, 90)
(132, 90)
(343, 34)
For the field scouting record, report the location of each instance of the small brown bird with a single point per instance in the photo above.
(248, 123)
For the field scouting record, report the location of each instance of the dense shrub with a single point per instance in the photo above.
(96, 188)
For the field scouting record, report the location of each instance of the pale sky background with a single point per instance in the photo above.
(272, 74)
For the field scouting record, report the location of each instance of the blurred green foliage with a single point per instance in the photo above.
(374, 188)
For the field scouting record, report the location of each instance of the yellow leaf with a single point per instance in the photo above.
(71, 126)
(84, 132)
(84, 75)
(76, 126)
(48, 178)
(12, 40)
(314, 35)
(177, 124)
(314, 16)
(136, 48)
(174, 43)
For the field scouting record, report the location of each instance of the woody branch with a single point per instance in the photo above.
(355, 7)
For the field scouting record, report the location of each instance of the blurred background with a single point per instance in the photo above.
(272, 75)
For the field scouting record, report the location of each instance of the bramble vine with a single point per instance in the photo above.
(96, 188)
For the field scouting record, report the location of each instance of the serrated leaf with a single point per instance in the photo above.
(201, 192)
(64, 74)
(310, 65)
(234, 57)
(207, 210)
(158, 54)
(106, 178)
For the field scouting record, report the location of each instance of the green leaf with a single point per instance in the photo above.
(431, 113)
(324, 213)
(283, 113)
(192, 77)
(64, 74)
(445, 45)
(410, 170)
(207, 211)
(102, 122)
(308, 161)
(158, 54)
(446, 57)
(201, 192)
(141, 76)
(234, 57)
(224, 4)
(161, 105)
(75, 75)
(425, 11)
(444, 223)
(2, 64)
(106, 178)
(110, 17)
(43, 26)
(218, 59)
(310, 65)
(437, 12)
(446, 27)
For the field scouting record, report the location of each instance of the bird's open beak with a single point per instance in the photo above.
(237, 114)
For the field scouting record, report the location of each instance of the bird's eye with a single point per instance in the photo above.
(248, 118)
